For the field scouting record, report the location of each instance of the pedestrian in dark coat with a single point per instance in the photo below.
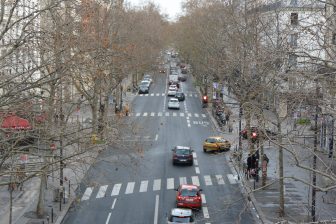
(249, 166)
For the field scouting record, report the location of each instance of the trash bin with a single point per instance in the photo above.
(56, 195)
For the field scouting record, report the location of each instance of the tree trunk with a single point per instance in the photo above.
(40, 203)
(281, 180)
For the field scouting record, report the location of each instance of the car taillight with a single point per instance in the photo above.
(179, 198)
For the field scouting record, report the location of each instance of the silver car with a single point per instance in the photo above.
(173, 103)
(181, 215)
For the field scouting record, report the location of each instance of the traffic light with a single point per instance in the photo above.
(205, 99)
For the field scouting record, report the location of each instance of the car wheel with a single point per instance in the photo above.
(204, 149)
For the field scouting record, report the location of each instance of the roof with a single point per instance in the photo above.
(15, 122)
(181, 212)
(182, 147)
(189, 186)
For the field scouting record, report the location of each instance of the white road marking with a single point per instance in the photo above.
(207, 180)
(194, 155)
(156, 137)
(87, 193)
(167, 114)
(130, 188)
(156, 210)
(195, 162)
(203, 199)
(108, 218)
(116, 189)
(189, 114)
(152, 114)
(160, 114)
(141, 94)
(146, 94)
(157, 185)
(232, 179)
(189, 125)
(145, 114)
(152, 94)
(113, 204)
(143, 186)
(220, 179)
(102, 191)
(183, 180)
(170, 183)
(203, 115)
(190, 94)
(205, 212)
(181, 114)
(196, 115)
(195, 180)
(158, 94)
(137, 114)
(197, 170)
(174, 114)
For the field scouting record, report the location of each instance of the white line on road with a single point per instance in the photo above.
(205, 212)
(195, 180)
(116, 189)
(167, 114)
(183, 180)
(145, 114)
(170, 183)
(203, 115)
(232, 179)
(130, 188)
(196, 115)
(143, 186)
(207, 180)
(113, 204)
(101, 192)
(152, 114)
(152, 94)
(157, 185)
(194, 155)
(196, 162)
(203, 198)
(137, 114)
(108, 218)
(197, 170)
(174, 114)
(189, 114)
(156, 211)
(181, 114)
(220, 179)
(160, 114)
(87, 193)
(156, 137)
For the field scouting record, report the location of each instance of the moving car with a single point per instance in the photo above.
(173, 103)
(188, 196)
(143, 89)
(183, 155)
(216, 143)
(148, 78)
(172, 90)
(146, 83)
(180, 96)
(181, 215)
(182, 78)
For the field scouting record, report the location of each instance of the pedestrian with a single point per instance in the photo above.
(249, 166)
(126, 109)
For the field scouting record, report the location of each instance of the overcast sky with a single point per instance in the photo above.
(170, 7)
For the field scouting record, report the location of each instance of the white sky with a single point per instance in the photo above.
(170, 7)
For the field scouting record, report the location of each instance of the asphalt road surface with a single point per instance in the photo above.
(135, 184)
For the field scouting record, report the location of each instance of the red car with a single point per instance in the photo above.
(188, 196)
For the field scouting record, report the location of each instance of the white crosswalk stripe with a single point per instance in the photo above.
(195, 180)
(130, 188)
(232, 178)
(160, 114)
(170, 183)
(220, 179)
(183, 180)
(203, 199)
(167, 114)
(205, 212)
(190, 95)
(163, 94)
(116, 189)
(203, 115)
(189, 114)
(145, 114)
(143, 186)
(137, 114)
(87, 193)
(157, 185)
(181, 114)
(174, 114)
(152, 94)
(158, 94)
(146, 94)
(196, 115)
(102, 191)
(207, 180)
(152, 114)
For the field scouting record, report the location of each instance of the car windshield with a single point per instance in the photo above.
(182, 151)
(180, 219)
(178, 94)
(189, 192)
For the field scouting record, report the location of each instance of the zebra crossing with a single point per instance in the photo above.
(164, 94)
(156, 185)
(167, 114)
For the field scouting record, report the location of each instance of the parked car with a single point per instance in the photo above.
(183, 155)
(173, 103)
(181, 216)
(180, 96)
(216, 143)
(188, 196)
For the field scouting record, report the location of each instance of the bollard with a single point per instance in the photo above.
(52, 214)
(69, 190)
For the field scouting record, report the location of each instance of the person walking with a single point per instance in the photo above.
(249, 166)
(126, 109)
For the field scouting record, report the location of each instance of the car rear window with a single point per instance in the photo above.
(182, 151)
(188, 192)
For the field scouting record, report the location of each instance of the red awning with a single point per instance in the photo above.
(15, 122)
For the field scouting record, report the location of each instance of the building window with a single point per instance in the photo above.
(334, 38)
(292, 61)
(293, 41)
(294, 18)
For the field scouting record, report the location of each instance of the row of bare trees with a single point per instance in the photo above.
(247, 48)
(62, 57)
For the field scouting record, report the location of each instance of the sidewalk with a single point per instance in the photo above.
(297, 194)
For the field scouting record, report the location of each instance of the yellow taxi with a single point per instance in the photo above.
(216, 143)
